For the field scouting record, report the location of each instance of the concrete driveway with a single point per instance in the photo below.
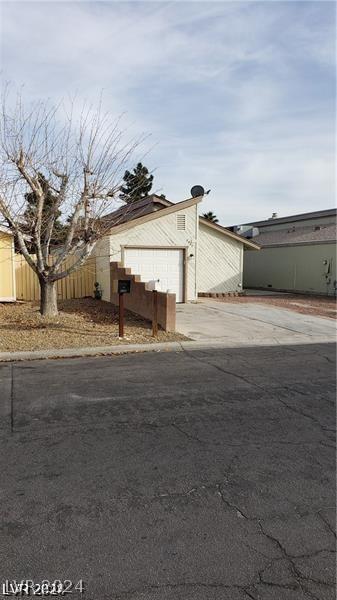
(251, 324)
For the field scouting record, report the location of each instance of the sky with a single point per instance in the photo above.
(238, 97)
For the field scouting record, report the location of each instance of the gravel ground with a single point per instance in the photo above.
(309, 305)
(80, 323)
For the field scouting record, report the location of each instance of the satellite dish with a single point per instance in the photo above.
(197, 190)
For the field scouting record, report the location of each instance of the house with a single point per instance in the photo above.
(7, 267)
(298, 253)
(170, 246)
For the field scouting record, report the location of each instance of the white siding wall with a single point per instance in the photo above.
(162, 231)
(219, 262)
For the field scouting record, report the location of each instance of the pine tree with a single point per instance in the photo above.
(137, 184)
(210, 216)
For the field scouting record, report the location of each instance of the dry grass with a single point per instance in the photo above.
(80, 323)
(309, 305)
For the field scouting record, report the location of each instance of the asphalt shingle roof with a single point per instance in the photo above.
(137, 209)
(297, 235)
(318, 214)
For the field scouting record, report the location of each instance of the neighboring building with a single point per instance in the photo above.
(7, 268)
(170, 244)
(298, 253)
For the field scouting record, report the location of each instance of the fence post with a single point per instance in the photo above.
(155, 314)
(121, 315)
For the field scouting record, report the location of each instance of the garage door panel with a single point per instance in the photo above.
(171, 269)
(165, 265)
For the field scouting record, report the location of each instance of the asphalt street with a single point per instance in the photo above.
(204, 475)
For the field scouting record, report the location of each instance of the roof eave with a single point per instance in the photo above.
(318, 214)
(155, 215)
(230, 234)
(302, 243)
(6, 230)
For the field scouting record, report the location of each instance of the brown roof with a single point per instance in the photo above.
(146, 214)
(6, 230)
(129, 212)
(313, 234)
(146, 209)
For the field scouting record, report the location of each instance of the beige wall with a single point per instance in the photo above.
(161, 231)
(78, 284)
(219, 262)
(7, 278)
(298, 268)
(102, 255)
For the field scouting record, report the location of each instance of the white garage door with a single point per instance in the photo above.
(165, 265)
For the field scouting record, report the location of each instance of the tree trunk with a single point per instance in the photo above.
(48, 302)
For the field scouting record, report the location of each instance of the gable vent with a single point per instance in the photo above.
(181, 222)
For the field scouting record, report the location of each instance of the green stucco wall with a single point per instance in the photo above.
(294, 268)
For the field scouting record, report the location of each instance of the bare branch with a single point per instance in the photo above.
(68, 160)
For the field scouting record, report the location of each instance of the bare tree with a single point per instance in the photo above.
(80, 155)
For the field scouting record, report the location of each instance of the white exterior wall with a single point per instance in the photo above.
(161, 231)
(294, 268)
(219, 262)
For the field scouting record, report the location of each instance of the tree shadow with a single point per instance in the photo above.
(101, 312)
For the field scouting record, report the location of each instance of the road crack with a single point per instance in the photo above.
(239, 512)
(326, 522)
(225, 371)
(298, 576)
(188, 435)
(302, 413)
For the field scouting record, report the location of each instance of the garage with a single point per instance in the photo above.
(165, 266)
(159, 240)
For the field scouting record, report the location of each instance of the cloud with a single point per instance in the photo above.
(238, 96)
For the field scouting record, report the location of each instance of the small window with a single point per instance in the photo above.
(181, 222)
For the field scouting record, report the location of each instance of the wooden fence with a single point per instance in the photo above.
(77, 285)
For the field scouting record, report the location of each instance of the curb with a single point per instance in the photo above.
(92, 351)
(154, 347)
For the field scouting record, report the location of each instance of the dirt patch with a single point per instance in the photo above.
(308, 305)
(80, 323)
